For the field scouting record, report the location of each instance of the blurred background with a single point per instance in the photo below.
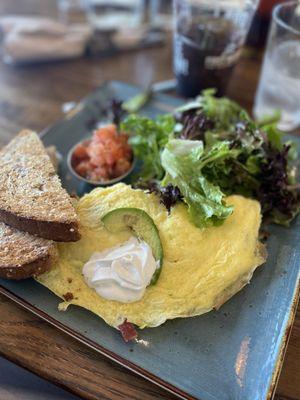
(53, 52)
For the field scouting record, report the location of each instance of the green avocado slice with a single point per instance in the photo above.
(142, 226)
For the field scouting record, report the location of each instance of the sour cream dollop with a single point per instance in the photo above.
(123, 272)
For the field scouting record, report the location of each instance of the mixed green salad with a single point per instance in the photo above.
(210, 148)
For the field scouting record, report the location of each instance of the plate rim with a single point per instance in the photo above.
(143, 372)
(95, 346)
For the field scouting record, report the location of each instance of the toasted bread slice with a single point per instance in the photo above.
(23, 255)
(31, 196)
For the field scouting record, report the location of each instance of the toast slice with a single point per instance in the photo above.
(23, 255)
(31, 196)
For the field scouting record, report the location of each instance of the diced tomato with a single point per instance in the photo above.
(80, 152)
(121, 167)
(111, 129)
(99, 174)
(95, 152)
(109, 158)
(107, 155)
(124, 139)
(83, 168)
(105, 133)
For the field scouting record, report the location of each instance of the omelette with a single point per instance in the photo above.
(202, 268)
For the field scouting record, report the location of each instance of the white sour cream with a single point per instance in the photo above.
(123, 272)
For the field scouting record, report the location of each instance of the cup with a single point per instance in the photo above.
(279, 85)
(71, 11)
(161, 14)
(208, 38)
(113, 15)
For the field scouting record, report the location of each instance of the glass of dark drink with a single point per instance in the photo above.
(208, 38)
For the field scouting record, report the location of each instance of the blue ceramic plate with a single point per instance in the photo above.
(231, 354)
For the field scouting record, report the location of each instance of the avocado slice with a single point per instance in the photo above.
(142, 225)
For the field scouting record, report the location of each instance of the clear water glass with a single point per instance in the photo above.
(279, 86)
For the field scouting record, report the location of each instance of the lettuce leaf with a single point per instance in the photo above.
(230, 154)
(183, 161)
(223, 111)
(147, 138)
(264, 167)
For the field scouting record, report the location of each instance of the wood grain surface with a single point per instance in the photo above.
(31, 97)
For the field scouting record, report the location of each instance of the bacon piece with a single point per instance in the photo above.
(128, 331)
(68, 296)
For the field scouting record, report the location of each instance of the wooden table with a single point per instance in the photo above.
(31, 97)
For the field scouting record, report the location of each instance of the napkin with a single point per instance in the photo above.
(30, 39)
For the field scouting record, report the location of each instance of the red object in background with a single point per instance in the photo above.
(261, 22)
(265, 7)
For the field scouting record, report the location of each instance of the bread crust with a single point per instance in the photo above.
(31, 195)
(30, 269)
(58, 231)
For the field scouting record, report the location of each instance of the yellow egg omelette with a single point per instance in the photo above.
(202, 268)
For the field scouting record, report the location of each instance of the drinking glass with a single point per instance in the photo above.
(109, 15)
(279, 86)
(161, 14)
(208, 37)
(71, 11)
